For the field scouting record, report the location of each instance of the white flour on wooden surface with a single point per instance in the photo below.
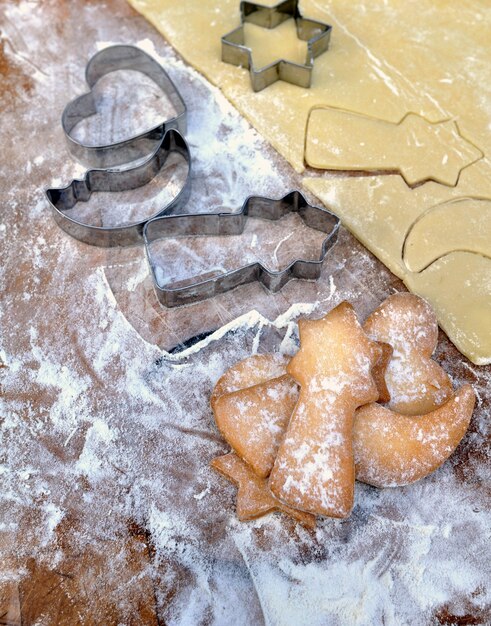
(99, 423)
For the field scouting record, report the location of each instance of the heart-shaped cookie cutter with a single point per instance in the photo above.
(121, 57)
(203, 224)
(80, 190)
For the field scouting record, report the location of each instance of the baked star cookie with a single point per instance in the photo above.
(314, 468)
(254, 498)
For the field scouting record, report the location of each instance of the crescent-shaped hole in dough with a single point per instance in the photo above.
(462, 224)
(459, 287)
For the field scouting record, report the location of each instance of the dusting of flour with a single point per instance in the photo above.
(100, 426)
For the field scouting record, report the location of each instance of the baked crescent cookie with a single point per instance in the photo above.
(392, 450)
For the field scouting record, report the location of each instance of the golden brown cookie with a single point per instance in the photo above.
(314, 468)
(254, 498)
(416, 384)
(251, 371)
(253, 420)
(393, 449)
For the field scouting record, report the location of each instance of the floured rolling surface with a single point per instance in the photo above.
(96, 425)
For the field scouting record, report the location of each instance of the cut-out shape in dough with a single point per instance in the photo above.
(416, 384)
(393, 450)
(253, 420)
(314, 467)
(254, 498)
(417, 149)
(366, 67)
(380, 211)
(459, 285)
(461, 224)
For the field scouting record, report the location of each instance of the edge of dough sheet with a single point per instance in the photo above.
(463, 306)
(233, 82)
(347, 72)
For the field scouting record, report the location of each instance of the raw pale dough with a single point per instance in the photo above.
(459, 287)
(278, 43)
(386, 59)
(420, 151)
(463, 224)
(380, 211)
(366, 69)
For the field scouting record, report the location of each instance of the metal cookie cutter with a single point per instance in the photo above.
(64, 199)
(106, 61)
(316, 34)
(202, 224)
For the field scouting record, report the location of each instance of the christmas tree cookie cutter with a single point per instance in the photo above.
(80, 190)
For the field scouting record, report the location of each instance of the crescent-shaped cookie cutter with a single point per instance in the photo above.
(203, 224)
(316, 34)
(109, 60)
(80, 190)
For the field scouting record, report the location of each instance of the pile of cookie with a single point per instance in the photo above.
(365, 402)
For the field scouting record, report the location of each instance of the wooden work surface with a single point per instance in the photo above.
(109, 513)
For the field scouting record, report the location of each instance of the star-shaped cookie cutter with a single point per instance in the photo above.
(203, 224)
(316, 34)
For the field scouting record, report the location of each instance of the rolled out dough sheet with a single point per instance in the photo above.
(452, 255)
(366, 69)
(387, 59)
